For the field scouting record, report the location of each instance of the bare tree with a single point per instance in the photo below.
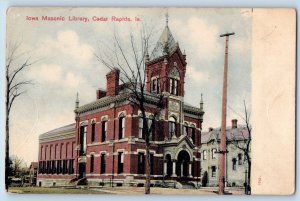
(131, 61)
(243, 143)
(17, 165)
(14, 89)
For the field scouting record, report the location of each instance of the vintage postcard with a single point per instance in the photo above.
(190, 101)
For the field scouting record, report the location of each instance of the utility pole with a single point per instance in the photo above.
(223, 127)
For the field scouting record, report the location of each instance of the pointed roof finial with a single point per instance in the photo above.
(167, 18)
(77, 101)
(201, 103)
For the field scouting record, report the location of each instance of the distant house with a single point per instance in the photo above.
(33, 173)
(236, 164)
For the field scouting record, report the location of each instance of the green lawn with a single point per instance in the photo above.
(40, 190)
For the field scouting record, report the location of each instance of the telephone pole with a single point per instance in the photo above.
(223, 127)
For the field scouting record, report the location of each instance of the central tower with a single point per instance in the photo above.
(166, 66)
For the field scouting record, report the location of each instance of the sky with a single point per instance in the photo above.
(64, 63)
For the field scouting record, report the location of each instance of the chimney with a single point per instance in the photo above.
(100, 93)
(210, 129)
(112, 82)
(234, 123)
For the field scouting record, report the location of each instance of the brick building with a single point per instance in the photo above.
(106, 144)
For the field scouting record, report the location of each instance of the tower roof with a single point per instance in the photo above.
(165, 45)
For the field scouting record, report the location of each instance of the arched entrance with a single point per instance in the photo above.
(182, 165)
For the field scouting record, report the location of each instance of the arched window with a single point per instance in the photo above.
(121, 126)
(174, 81)
(104, 131)
(172, 127)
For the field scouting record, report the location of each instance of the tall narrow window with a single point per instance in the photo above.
(50, 154)
(41, 154)
(141, 163)
(55, 151)
(104, 131)
(150, 122)
(172, 127)
(83, 131)
(240, 161)
(174, 78)
(194, 134)
(103, 164)
(213, 153)
(173, 84)
(121, 127)
(60, 152)
(141, 135)
(92, 164)
(204, 155)
(151, 164)
(155, 85)
(213, 171)
(93, 131)
(67, 144)
(73, 144)
(233, 164)
(120, 162)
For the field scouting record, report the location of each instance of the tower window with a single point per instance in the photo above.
(155, 85)
(173, 83)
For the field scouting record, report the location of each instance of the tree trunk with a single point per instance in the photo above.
(7, 133)
(249, 177)
(147, 184)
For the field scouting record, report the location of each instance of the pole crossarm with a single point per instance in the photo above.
(227, 34)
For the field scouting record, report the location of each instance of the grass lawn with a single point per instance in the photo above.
(40, 190)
